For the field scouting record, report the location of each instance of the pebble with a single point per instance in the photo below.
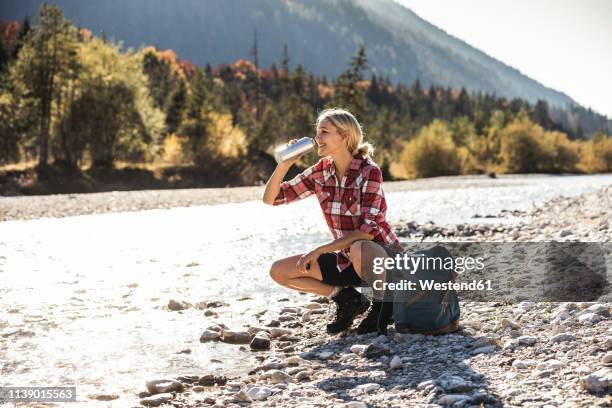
(325, 355)
(163, 386)
(484, 350)
(451, 399)
(175, 306)
(242, 396)
(303, 375)
(395, 363)
(559, 338)
(278, 331)
(103, 397)
(367, 388)
(261, 341)
(599, 381)
(259, 393)
(235, 337)
(527, 340)
(209, 335)
(358, 348)
(453, 383)
(156, 400)
(278, 376)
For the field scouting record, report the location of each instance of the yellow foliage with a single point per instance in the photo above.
(431, 153)
(596, 155)
(174, 150)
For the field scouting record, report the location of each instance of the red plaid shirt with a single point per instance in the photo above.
(357, 203)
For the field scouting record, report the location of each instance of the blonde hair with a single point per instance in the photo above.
(346, 124)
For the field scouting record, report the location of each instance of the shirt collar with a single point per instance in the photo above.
(351, 173)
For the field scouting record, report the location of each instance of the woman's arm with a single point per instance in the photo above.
(273, 184)
(345, 241)
(340, 243)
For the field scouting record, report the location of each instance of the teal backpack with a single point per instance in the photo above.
(422, 310)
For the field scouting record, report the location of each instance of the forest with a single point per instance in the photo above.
(81, 103)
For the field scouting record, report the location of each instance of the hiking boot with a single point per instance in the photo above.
(378, 318)
(350, 303)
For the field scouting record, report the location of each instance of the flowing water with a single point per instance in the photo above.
(82, 299)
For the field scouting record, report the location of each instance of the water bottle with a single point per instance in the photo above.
(289, 151)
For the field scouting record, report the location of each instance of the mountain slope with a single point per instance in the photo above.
(321, 35)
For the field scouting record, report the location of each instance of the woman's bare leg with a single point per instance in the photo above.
(362, 257)
(285, 273)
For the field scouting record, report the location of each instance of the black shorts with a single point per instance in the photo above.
(328, 264)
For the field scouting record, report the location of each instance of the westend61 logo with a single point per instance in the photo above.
(412, 263)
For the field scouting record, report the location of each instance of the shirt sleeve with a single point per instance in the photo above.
(301, 186)
(373, 203)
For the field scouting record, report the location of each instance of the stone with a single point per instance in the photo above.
(325, 355)
(453, 383)
(175, 306)
(599, 381)
(103, 397)
(425, 385)
(253, 330)
(395, 363)
(278, 331)
(607, 358)
(307, 316)
(527, 340)
(209, 335)
(278, 376)
(509, 323)
(356, 404)
(511, 344)
(303, 375)
(358, 348)
(562, 337)
(589, 318)
(367, 388)
(261, 341)
(451, 399)
(375, 350)
(484, 350)
(293, 360)
(552, 364)
(189, 379)
(519, 365)
(207, 380)
(544, 373)
(599, 309)
(164, 386)
(235, 337)
(242, 396)
(156, 400)
(259, 393)
(313, 306)
(482, 341)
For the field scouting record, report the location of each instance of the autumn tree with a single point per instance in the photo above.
(43, 63)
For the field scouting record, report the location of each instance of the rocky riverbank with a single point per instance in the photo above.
(521, 354)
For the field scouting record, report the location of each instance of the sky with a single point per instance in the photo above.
(563, 44)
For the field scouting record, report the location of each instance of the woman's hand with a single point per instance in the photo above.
(292, 161)
(303, 264)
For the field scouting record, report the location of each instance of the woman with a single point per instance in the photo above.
(348, 185)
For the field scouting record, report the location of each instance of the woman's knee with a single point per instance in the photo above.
(362, 254)
(278, 272)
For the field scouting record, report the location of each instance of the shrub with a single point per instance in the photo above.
(431, 153)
